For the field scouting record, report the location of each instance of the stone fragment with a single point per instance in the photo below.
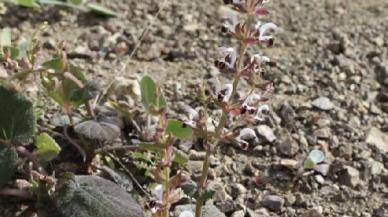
(377, 138)
(323, 103)
(266, 132)
(350, 176)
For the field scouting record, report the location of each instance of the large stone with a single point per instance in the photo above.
(350, 176)
(273, 202)
(377, 138)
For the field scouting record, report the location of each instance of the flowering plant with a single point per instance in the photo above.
(241, 67)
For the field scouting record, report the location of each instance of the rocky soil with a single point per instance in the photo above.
(331, 93)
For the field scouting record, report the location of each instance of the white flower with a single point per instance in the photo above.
(259, 59)
(222, 92)
(263, 29)
(158, 192)
(186, 213)
(230, 54)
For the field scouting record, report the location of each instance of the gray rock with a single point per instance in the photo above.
(266, 132)
(323, 103)
(195, 167)
(273, 202)
(350, 176)
(207, 210)
(239, 213)
(219, 189)
(287, 146)
(322, 169)
(377, 138)
(312, 213)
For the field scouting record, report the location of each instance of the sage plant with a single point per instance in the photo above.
(241, 67)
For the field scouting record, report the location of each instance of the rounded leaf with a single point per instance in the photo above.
(177, 129)
(149, 94)
(47, 147)
(93, 196)
(17, 121)
(101, 131)
(8, 163)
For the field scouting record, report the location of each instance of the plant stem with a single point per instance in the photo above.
(218, 133)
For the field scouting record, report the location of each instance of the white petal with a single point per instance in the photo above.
(228, 93)
(260, 59)
(216, 84)
(158, 192)
(266, 27)
(233, 55)
(186, 213)
(252, 99)
(262, 109)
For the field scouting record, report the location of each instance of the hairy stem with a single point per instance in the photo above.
(218, 133)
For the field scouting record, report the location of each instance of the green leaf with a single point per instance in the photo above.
(75, 2)
(28, 3)
(98, 9)
(47, 147)
(207, 195)
(8, 164)
(93, 196)
(149, 95)
(56, 64)
(5, 37)
(177, 129)
(308, 164)
(180, 157)
(190, 189)
(17, 121)
(150, 147)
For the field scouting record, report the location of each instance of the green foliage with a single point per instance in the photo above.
(27, 3)
(5, 37)
(191, 190)
(92, 196)
(151, 97)
(62, 85)
(98, 9)
(17, 121)
(47, 147)
(144, 161)
(177, 129)
(180, 157)
(8, 163)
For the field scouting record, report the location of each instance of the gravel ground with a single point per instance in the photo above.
(331, 93)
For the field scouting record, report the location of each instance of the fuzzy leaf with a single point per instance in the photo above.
(98, 9)
(47, 147)
(177, 129)
(5, 38)
(149, 95)
(92, 196)
(17, 121)
(101, 131)
(8, 164)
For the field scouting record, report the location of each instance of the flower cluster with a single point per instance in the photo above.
(238, 65)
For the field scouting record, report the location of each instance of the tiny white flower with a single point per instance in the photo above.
(186, 213)
(228, 92)
(158, 192)
(231, 52)
(263, 29)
